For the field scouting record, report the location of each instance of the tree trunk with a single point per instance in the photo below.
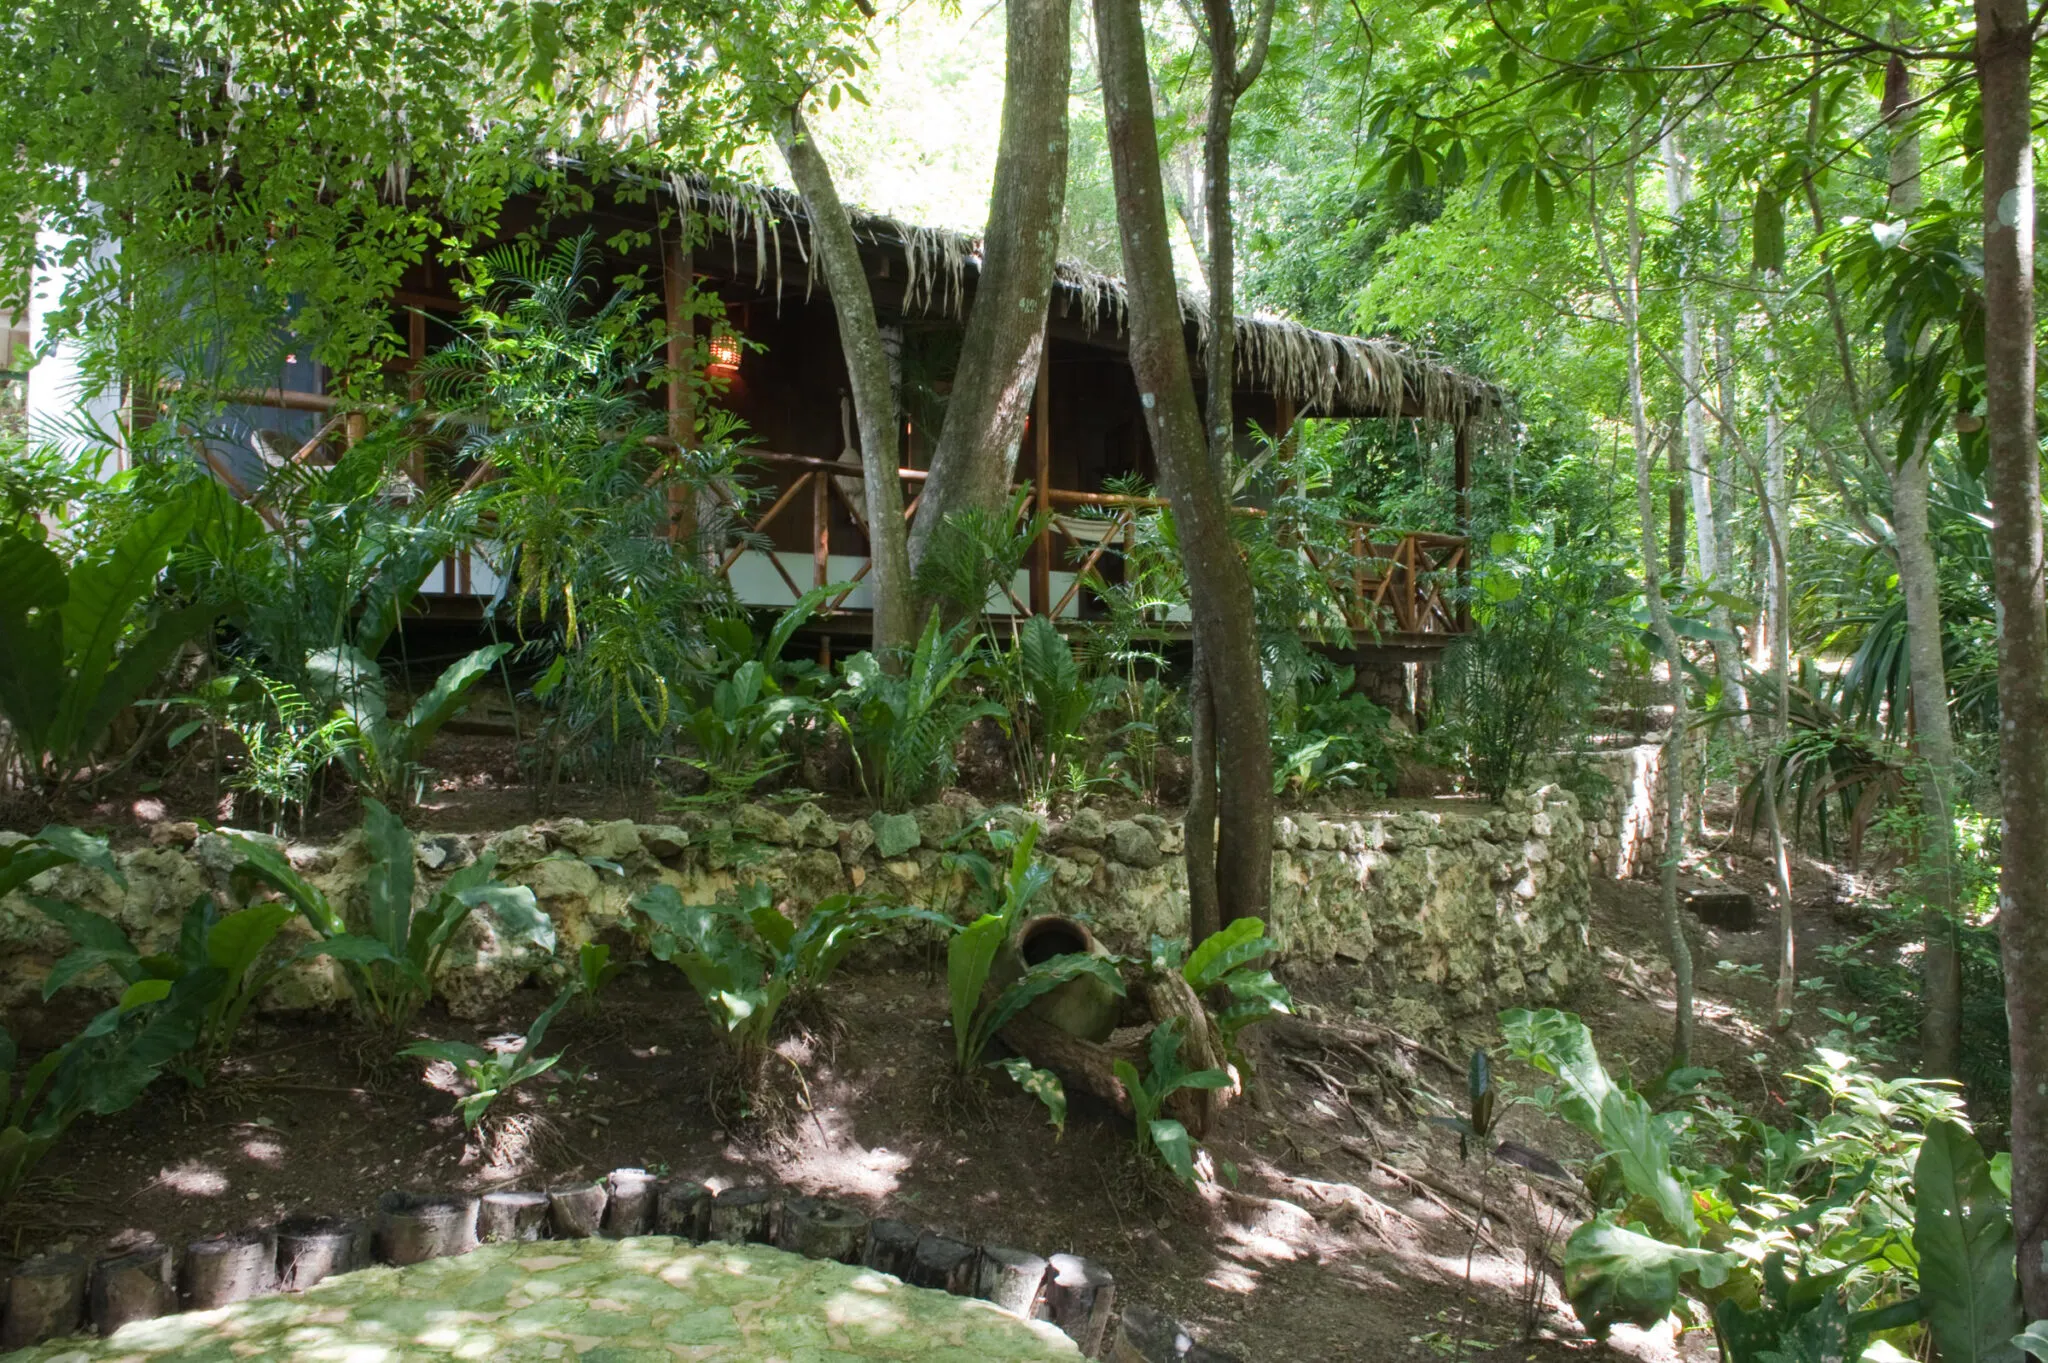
(867, 373)
(999, 365)
(1777, 510)
(2005, 46)
(1626, 294)
(1205, 910)
(1219, 584)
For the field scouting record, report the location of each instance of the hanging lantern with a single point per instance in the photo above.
(725, 354)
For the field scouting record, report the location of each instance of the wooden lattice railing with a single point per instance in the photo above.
(1400, 585)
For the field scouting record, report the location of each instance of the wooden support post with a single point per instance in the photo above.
(1041, 453)
(1461, 486)
(676, 269)
(357, 426)
(821, 551)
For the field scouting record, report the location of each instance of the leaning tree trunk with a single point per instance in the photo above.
(867, 373)
(999, 366)
(1219, 584)
(2005, 47)
(1777, 507)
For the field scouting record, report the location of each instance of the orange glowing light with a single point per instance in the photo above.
(725, 353)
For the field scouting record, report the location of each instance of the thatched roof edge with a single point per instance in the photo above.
(1322, 372)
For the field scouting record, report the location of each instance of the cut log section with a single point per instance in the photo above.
(680, 1209)
(818, 1229)
(576, 1210)
(135, 1285)
(512, 1215)
(944, 1264)
(892, 1247)
(630, 1208)
(1078, 1300)
(1147, 1336)
(742, 1216)
(45, 1299)
(223, 1269)
(415, 1227)
(1011, 1278)
(310, 1248)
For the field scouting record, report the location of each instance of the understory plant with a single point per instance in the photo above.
(287, 742)
(1048, 701)
(393, 960)
(385, 752)
(56, 845)
(595, 969)
(218, 961)
(1327, 734)
(905, 725)
(490, 1073)
(1164, 1138)
(81, 642)
(750, 700)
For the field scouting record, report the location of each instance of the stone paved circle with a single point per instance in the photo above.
(646, 1300)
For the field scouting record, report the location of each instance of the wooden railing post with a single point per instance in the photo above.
(1041, 454)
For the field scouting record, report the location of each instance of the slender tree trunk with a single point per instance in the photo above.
(2005, 46)
(1777, 509)
(1219, 584)
(996, 378)
(1625, 290)
(1205, 909)
(867, 373)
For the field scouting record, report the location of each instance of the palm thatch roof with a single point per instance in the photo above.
(1323, 373)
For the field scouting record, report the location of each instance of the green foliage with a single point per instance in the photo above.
(286, 742)
(1163, 1137)
(746, 959)
(595, 969)
(1613, 1273)
(1043, 1085)
(906, 725)
(1514, 688)
(102, 1070)
(739, 716)
(385, 753)
(393, 960)
(1229, 959)
(56, 845)
(1327, 735)
(491, 1074)
(1801, 1319)
(80, 644)
(217, 956)
(1048, 702)
(1963, 1234)
(1481, 1101)
(2033, 1340)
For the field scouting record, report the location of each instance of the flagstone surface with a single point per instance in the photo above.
(645, 1300)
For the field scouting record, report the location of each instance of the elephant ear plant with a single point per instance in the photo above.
(393, 962)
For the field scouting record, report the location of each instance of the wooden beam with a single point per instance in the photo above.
(1041, 453)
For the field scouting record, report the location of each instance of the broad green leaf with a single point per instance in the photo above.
(145, 991)
(237, 942)
(1560, 1045)
(1043, 1085)
(100, 942)
(389, 884)
(2033, 1340)
(1240, 942)
(1143, 1105)
(1642, 1154)
(1175, 1146)
(1615, 1274)
(447, 697)
(1042, 979)
(262, 864)
(1962, 1231)
(968, 958)
(31, 644)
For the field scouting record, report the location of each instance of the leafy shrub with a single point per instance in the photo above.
(56, 845)
(384, 756)
(216, 958)
(595, 969)
(739, 716)
(746, 960)
(492, 1074)
(1330, 735)
(1228, 958)
(392, 964)
(1515, 686)
(1048, 702)
(1163, 1137)
(286, 741)
(80, 644)
(906, 726)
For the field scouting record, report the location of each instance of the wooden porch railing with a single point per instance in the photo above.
(1397, 585)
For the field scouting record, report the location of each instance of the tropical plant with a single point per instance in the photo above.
(286, 741)
(1048, 701)
(80, 644)
(746, 960)
(970, 957)
(393, 963)
(1481, 1105)
(1328, 734)
(738, 733)
(490, 1073)
(218, 956)
(905, 726)
(1228, 959)
(385, 752)
(56, 845)
(975, 554)
(102, 1070)
(595, 969)
(1164, 1137)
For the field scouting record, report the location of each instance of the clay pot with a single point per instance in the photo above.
(1084, 1007)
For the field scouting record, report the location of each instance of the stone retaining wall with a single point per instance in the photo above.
(1458, 904)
